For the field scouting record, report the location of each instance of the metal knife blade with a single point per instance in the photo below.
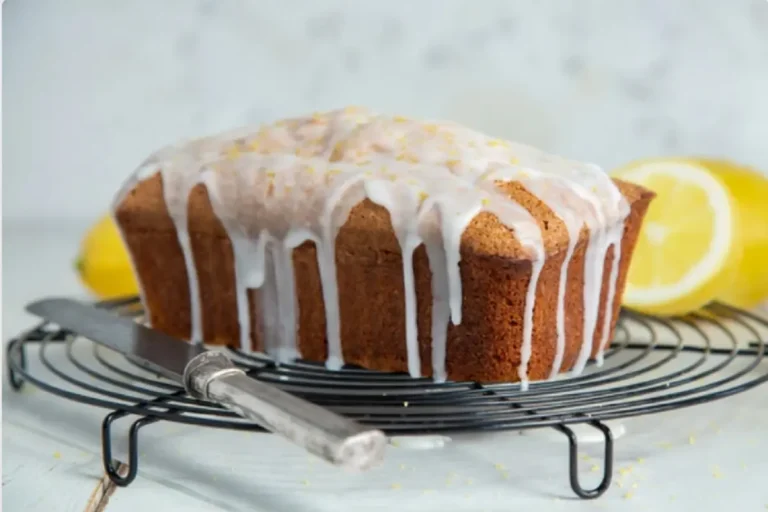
(152, 349)
(212, 376)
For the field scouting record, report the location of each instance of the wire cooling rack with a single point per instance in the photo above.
(653, 365)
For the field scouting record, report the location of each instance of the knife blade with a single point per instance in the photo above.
(212, 376)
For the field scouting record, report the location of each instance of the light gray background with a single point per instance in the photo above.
(92, 86)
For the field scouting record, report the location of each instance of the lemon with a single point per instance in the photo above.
(688, 250)
(749, 188)
(103, 263)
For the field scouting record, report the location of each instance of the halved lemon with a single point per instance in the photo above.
(688, 250)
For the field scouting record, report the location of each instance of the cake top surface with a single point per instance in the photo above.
(359, 136)
(304, 174)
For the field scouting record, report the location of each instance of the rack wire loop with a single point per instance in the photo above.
(573, 461)
(111, 466)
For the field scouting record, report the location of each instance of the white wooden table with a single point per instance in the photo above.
(682, 460)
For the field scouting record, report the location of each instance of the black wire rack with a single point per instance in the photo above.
(653, 365)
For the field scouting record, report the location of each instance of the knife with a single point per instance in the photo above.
(211, 375)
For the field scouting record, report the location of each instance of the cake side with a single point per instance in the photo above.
(495, 272)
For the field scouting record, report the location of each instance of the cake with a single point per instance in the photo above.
(394, 244)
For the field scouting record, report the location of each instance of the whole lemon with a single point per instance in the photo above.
(103, 263)
(749, 188)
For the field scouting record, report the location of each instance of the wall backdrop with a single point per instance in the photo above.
(92, 86)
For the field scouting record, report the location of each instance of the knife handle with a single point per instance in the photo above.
(212, 376)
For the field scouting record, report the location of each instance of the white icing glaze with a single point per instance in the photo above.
(297, 180)
(615, 235)
(401, 202)
(561, 289)
(594, 260)
(176, 189)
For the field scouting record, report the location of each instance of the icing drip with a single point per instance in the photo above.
(248, 262)
(285, 282)
(401, 201)
(452, 231)
(557, 362)
(340, 204)
(441, 311)
(530, 302)
(411, 322)
(248, 252)
(616, 233)
(594, 261)
(176, 189)
(448, 272)
(269, 305)
(326, 257)
(297, 180)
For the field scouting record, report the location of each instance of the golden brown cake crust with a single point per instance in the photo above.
(495, 272)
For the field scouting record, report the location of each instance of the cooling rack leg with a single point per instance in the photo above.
(15, 347)
(573, 461)
(110, 465)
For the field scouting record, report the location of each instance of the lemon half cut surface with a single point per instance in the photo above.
(688, 251)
